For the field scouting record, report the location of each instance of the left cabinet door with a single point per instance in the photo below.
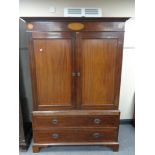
(52, 65)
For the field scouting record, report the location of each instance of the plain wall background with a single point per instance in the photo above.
(111, 8)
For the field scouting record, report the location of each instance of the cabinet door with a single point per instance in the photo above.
(52, 57)
(100, 57)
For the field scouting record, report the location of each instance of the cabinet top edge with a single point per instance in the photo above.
(77, 112)
(44, 19)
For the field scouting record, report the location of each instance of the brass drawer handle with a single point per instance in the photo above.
(96, 135)
(55, 136)
(55, 121)
(97, 121)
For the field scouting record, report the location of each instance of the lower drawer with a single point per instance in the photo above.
(76, 135)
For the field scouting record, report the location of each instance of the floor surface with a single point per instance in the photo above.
(126, 140)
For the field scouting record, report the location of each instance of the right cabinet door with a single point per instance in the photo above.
(100, 58)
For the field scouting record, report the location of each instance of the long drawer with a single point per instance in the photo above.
(42, 121)
(75, 135)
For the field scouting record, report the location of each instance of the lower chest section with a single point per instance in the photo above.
(83, 126)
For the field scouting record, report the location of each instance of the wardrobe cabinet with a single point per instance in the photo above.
(76, 71)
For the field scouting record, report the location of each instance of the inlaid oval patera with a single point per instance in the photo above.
(30, 26)
(76, 26)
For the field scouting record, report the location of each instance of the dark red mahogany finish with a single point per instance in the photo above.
(76, 71)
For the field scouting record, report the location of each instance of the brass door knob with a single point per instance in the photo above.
(78, 73)
(73, 74)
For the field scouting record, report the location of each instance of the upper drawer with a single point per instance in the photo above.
(47, 26)
(42, 121)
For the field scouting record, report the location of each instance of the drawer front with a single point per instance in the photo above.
(76, 135)
(44, 122)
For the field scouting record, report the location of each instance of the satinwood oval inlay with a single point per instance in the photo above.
(30, 26)
(76, 26)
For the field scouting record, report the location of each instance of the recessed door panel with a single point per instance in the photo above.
(99, 71)
(53, 66)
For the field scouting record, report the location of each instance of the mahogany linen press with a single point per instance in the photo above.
(75, 65)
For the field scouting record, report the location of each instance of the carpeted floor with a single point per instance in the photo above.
(126, 140)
